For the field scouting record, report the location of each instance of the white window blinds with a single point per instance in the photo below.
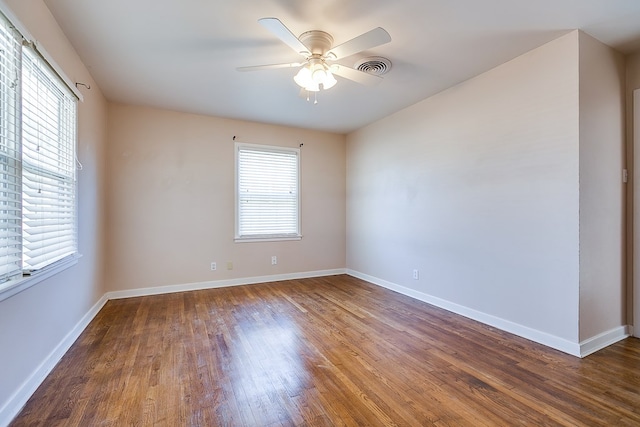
(48, 165)
(267, 192)
(10, 174)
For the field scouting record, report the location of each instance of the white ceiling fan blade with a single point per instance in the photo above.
(355, 75)
(269, 66)
(278, 29)
(376, 37)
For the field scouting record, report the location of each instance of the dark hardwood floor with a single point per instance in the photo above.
(322, 352)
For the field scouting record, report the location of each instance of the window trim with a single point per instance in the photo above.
(26, 280)
(19, 284)
(265, 237)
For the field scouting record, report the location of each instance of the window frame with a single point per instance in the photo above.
(266, 237)
(25, 278)
(49, 163)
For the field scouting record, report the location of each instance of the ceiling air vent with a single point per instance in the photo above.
(375, 65)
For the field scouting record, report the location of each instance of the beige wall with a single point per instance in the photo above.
(602, 145)
(36, 321)
(633, 83)
(505, 192)
(477, 188)
(633, 208)
(171, 200)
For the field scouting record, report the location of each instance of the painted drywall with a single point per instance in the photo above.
(171, 200)
(633, 193)
(477, 188)
(602, 145)
(632, 63)
(634, 290)
(33, 323)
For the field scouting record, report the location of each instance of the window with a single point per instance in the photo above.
(267, 193)
(37, 160)
(48, 165)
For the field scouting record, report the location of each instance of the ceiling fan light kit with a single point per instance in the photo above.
(316, 47)
(313, 75)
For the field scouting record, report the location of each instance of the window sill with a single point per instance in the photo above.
(253, 239)
(15, 286)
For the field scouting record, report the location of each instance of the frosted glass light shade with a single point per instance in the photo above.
(329, 81)
(303, 78)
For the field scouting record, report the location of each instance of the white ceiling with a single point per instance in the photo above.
(182, 54)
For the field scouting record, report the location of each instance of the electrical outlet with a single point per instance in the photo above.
(214, 267)
(416, 274)
(274, 260)
(229, 265)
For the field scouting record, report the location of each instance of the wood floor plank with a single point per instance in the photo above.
(327, 351)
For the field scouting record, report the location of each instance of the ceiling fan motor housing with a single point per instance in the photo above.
(318, 42)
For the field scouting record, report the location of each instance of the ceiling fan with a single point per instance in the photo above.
(316, 48)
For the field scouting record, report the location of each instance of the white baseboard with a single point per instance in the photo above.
(540, 337)
(17, 401)
(158, 290)
(605, 339)
(582, 349)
